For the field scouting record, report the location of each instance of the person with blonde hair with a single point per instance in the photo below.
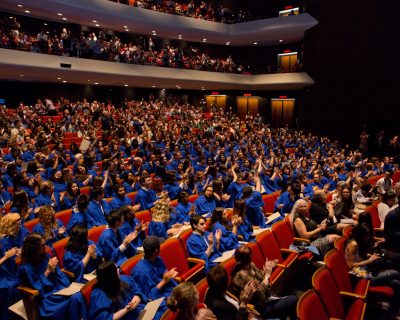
(11, 238)
(48, 226)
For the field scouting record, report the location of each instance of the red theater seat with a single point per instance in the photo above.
(95, 233)
(310, 306)
(59, 250)
(86, 291)
(64, 216)
(128, 265)
(31, 224)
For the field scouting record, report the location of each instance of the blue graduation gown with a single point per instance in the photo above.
(159, 229)
(197, 246)
(73, 262)
(145, 198)
(4, 197)
(44, 199)
(284, 199)
(52, 306)
(95, 216)
(246, 230)
(126, 229)
(229, 240)
(117, 202)
(68, 203)
(55, 236)
(254, 212)
(102, 308)
(204, 205)
(77, 217)
(108, 246)
(173, 190)
(181, 213)
(147, 275)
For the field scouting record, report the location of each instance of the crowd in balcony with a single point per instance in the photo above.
(194, 9)
(163, 152)
(111, 48)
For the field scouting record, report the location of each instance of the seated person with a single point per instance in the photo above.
(151, 275)
(254, 204)
(79, 213)
(111, 245)
(97, 209)
(245, 271)
(114, 296)
(81, 256)
(221, 223)
(286, 200)
(245, 228)
(131, 224)
(146, 197)
(43, 274)
(120, 199)
(183, 210)
(203, 244)
(388, 203)
(205, 204)
(224, 307)
(69, 198)
(47, 196)
(50, 228)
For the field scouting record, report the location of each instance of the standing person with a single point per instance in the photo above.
(114, 296)
(43, 274)
(152, 276)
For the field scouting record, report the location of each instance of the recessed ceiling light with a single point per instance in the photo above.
(154, 31)
(58, 78)
(64, 19)
(27, 11)
(47, 31)
(228, 43)
(21, 75)
(45, 24)
(19, 5)
(88, 80)
(95, 21)
(281, 41)
(255, 43)
(204, 40)
(125, 27)
(11, 17)
(96, 83)
(59, 14)
(202, 88)
(97, 25)
(153, 86)
(163, 89)
(125, 85)
(126, 30)
(64, 81)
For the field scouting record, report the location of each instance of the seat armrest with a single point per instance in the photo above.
(69, 274)
(351, 295)
(301, 240)
(195, 260)
(288, 251)
(29, 291)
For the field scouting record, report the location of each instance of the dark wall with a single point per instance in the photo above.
(351, 55)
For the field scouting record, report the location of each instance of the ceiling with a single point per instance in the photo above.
(118, 17)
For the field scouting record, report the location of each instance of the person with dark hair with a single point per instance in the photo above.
(217, 300)
(359, 252)
(184, 210)
(221, 223)
(114, 296)
(132, 224)
(152, 276)
(120, 199)
(43, 274)
(246, 271)
(392, 225)
(205, 204)
(286, 200)
(97, 209)
(388, 203)
(146, 196)
(79, 213)
(69, 198)
(245, 228)
(81, 256)
(203, 244)
(343, 204)
(171, 186)
(111, 245)
(20, 204)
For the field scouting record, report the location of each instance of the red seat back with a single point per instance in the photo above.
(327, 289)
(257, 256)
(64, 216)
(340, 245)
(373, 211)
(85, 190)
(173, 203)
(184, 236)
(169, 315)
(132, 195)
(143, 215)
(59, 249)
(339, 270)
(129, 264)
(193, 198)
(86, 291)
(269, 202)
(269, 246)
(202, 287)
(31, 224)
(282, 234)
(310, 306)
(228, 266)
(174, 256)
(95, 233)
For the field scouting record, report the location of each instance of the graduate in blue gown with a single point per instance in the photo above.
(10, 248)
(146, 196)
(120, 199)
(114, 296)
(49, 227)
(286, 200)
(202, 244)
(244, 228)
(205, 204)
(152, 276)
(111, 245)
(69, 199)
(43, 274)
(131, 224)
(81, 255)
(21, 204)
(97, 209)
(47, 196)
(254, 205)
(182, 212)
(79, 213)
(221, 223)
